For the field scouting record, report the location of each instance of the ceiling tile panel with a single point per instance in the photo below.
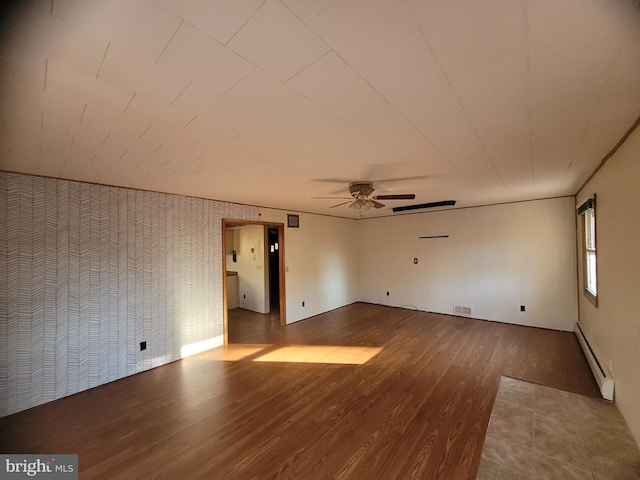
(208, 133)
(328, 82)
(360, 29)
(406, 66)
(216, 108)
(219, 19)
(200, 58)
(278, 41)
(295, 141)
(484, 50)
(498, 93)
(320, 124)
(251, 144)
(249, 121)
(96, 123)
(45, 35)
(333, 85)
(586, 75)
(307, 10)
(142, 26)
(444, 22)
(263, 93)
(66, 85)
(151, 122)
(428, 96)
(81, 162)
(560, 121)
(429, 121)
(27, 123)
(508, 143)
(22, 76)
(463, 149)
(520, 187)
(561, 31)
(625, 71)
(398, 135)
(125, 70)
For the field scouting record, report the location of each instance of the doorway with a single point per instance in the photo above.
(273, 245)
(242, 260)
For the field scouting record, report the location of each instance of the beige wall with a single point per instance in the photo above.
(495, 259)
(252, 267)
(321, 263)
(613, 328)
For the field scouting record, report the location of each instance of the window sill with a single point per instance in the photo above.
(591, 297)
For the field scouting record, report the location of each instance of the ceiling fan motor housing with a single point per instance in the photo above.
(361, 189)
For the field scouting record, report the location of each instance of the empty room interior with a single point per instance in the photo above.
(286, 239)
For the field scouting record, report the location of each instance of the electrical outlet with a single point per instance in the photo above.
(415, 261)
(303, 304)
(143, 346)
(522, 308)
(387, 294)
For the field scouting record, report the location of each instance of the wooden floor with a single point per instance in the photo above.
(417, 410)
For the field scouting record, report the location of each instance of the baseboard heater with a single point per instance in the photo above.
(600, 370)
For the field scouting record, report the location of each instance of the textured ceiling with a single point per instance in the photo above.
(273, 102)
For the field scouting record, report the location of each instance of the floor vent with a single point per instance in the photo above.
(600, 371)
(458, 310)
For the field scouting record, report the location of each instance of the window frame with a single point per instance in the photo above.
(589, 232)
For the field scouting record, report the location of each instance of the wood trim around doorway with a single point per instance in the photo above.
(226, 223)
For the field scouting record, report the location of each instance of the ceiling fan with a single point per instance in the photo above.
(361, 199)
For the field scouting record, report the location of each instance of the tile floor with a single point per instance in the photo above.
(538, 432)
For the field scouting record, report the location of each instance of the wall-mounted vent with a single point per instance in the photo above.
(458, 310)
(600, 371)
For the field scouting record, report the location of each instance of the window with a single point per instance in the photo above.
(590, 277)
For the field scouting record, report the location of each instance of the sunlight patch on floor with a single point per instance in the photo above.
(236, 351)
(321, 354)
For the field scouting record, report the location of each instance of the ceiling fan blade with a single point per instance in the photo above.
(401, 179)
(377, 204)
(340, 204)
(331, 198)
(330, 180)
(401, 196)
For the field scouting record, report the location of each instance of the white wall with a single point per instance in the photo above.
(252, 267)
(321, 263)
(495, 259)
(613, 328)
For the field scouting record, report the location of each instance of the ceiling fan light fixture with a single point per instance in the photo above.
(361, 204)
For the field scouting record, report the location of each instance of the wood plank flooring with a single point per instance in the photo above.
(419, 409)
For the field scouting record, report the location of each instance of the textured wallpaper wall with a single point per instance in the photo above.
(87, 272)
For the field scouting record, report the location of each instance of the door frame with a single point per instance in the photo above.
(226, 223)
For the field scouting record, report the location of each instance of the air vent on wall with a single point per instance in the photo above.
(457, 309)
